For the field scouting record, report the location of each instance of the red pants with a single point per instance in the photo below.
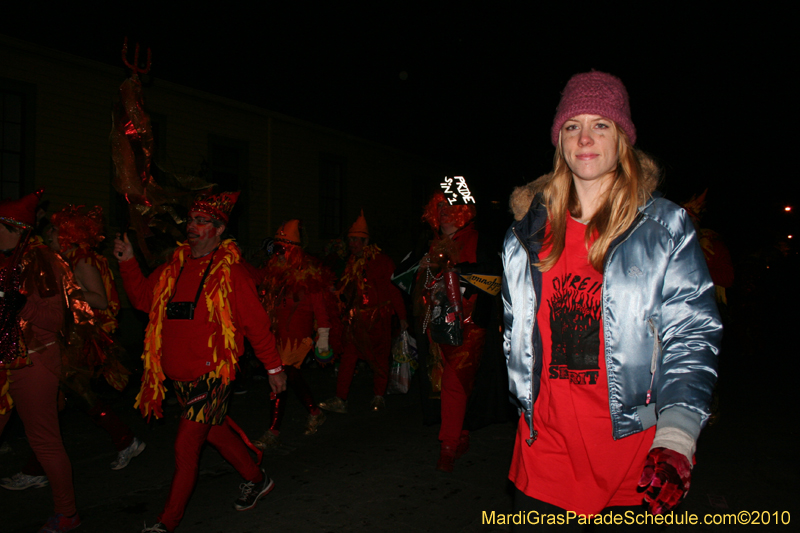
(460, 366)
(34, 390)
(377, 353)
(188, 444)
(454, 407)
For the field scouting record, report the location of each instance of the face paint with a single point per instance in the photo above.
(201, 233)
(356, 245)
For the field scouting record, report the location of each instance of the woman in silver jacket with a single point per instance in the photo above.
(611, 328)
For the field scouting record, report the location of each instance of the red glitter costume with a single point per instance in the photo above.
(30, 382)
(459, 364)
(93, 354)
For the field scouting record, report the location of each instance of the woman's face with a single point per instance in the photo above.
(589, 143)
(9, 238)
(51, 238)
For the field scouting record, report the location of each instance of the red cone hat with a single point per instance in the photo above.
(289, 232)
(359, 227)
(21, 212)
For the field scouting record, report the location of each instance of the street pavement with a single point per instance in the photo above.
(370, 472)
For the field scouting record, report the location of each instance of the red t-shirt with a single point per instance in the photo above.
(575, 463)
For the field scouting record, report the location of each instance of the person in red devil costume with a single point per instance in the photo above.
(202, 303)
(369, 298)
(35, 290)
(74, 233)
(454, 251)
(294, 288)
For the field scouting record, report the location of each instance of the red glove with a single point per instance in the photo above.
(665, 479)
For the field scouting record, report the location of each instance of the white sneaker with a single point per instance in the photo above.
(155, 528)
(20, 481)
(124, 457)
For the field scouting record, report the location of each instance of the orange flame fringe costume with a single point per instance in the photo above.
(294, 273)
(222, 342)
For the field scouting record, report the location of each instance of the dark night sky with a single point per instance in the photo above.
(477, 87)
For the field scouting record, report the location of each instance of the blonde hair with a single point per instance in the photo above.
(634, 181)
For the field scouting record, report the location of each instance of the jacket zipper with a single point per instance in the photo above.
(653, 359)
(534, 434)
(605, 268)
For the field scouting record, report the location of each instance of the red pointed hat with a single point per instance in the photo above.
(289, 232)
(359, 227)
(217, 206)
(21, 212)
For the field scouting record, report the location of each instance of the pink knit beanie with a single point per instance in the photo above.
(594, 93)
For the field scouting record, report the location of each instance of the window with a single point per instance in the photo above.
(331, 196)
(12, 152)
(228, 162)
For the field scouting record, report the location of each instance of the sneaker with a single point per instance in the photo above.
(377, 404)
(334, 405)
(124, 457)
(314, 422)
(60, 523)
(251, 492)
(269, 441)
(158, 527)
(20, 481)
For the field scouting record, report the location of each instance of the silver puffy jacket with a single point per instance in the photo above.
(660, 321)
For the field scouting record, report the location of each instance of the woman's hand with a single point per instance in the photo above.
(665, 480)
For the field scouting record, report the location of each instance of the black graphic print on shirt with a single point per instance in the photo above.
(575, 315)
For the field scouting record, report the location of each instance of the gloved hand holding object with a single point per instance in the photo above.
(665, 480)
